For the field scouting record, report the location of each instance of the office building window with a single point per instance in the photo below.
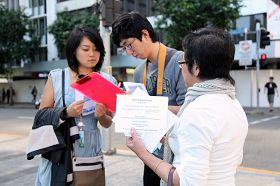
(40, 26)
(142, 8)
(43, 54)
(38, 7)
(61, 0)
(11, 4)
(41, 2)
(248, 22)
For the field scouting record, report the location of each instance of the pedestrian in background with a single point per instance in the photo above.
(85, 54)
(3, 95)
(208, 139)
(160, 73)
(12, 93)
(34, 94)
(8, 95)
(270, 88)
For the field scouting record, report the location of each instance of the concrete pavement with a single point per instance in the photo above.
(122, 168)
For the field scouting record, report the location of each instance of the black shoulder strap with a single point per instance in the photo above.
(63, 88)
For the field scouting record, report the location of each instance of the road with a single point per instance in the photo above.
(261, 151)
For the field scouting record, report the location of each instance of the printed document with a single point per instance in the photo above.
(149, 115)
(130, 87)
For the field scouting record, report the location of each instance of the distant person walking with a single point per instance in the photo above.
(3, 95)
(34, 93)
(8, 95)
(269, 89)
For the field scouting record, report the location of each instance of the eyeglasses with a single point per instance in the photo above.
(129, 46)
(181, 62)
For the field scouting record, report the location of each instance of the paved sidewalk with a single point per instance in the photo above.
(248, 110)
(18, 106)
(122, 168)
(125, 169)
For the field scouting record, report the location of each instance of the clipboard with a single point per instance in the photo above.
(99, 89)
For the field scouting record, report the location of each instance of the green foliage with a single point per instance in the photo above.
(180, 16)
(16, 39)
(65, 23)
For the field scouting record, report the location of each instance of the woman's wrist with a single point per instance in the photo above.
(105, 120)
(100, 117)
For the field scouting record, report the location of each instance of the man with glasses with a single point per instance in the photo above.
(160, 74)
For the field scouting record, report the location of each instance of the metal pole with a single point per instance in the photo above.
(251, 88)
(258, 36)
(245, 35)
(106, 132)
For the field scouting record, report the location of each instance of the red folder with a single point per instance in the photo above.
(99, 89)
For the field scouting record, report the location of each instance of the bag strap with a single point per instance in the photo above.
(170, 176)
(162, 58)
(63, 88)
(161, 63)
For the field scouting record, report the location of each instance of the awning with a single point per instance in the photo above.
(124, 61)
(45, 66)
(119, 61)
(3, 80)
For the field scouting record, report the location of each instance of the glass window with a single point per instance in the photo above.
(243, 22)
(61, 0)
(42, 26)
(43, 54)
(258, 18)
(35, 3)
(248, 22)
(142, 8)
(41, 2)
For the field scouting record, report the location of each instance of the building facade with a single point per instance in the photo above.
(249, 83)
(267, 13)
(43, 13)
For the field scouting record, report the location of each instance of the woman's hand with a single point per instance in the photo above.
(103, 115)
(75, 109)
(136, 144)
(100, 110)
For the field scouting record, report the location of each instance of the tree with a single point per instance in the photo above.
(17, 41)
(65, 23)
(177, 17)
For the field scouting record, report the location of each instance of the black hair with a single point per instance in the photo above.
(212, 49)
(130, 25)
(74, 41)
